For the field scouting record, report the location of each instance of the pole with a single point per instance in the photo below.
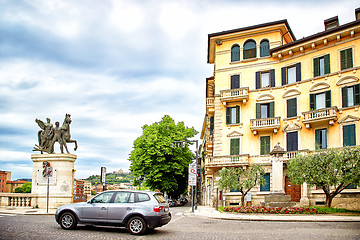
(47, 194)
(192, 199)
(196, 183)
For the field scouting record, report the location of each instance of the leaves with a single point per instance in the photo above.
(153, 156)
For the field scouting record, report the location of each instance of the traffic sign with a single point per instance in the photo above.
(192, 173)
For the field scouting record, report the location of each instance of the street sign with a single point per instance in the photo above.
(103, 174)
(192, 173)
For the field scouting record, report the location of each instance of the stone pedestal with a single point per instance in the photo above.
(61, 183)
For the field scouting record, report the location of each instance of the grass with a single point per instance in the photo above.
(336, 210)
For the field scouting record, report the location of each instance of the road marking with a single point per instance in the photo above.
(6, 215)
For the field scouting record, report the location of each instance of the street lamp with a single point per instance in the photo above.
(182, 144)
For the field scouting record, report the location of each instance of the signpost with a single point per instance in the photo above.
(47, 172)
(103, 177)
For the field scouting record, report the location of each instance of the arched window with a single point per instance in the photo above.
(250, 49)
(235, 53)
(264, 48)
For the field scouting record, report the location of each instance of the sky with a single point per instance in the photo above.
(117, 65)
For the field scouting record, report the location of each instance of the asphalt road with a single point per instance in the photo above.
(182, 226)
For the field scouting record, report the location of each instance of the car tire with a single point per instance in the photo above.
(68, 221)
(136, 226)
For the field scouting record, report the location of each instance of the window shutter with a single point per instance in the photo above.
(264, 145)
(235, 53)
(298, 72)
(258, 113)
(327, 63)
(234, 146)
(237, 114)
(283, 76)
(317, 139)
(266, 186)
(349, 60)
(272, 110)
(349, 135)
(357, 94)
(292, 141)
(228, 115)
(328, 98)
(316, 67)
(257, 83)
(235, 81)
(312, 101)
(344, 97)
(343, 59)
(291, 107)
(211, 125)
(272, 78)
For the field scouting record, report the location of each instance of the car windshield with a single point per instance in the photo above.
(160, 198)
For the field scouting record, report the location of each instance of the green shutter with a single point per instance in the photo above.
(266, 186)
(272, 111)
(328, 98)
(237, 114)
(298, 72)
(357, 94)
(317, 139)
(349, 60)
(235, 146)
(349, 136)
(291, 107)
(343, 59)
(211, 125)
(316, 67)
(258, 111)
(264, 145)
(344, 92)
(228, 115)
(272, 78)
(327, 63)
(312, 101)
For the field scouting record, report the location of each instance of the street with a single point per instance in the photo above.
(182, 226)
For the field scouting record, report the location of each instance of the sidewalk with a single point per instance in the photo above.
(210, 212)
(26, 211)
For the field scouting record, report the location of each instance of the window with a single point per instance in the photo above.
(234, 146)
(291, 74)
(320, 100)
(143, 197)
(291, 107)
(265, 79)
(351, 96)
(264, 48)
(250, 49)
(322, 65)
(235, 53)
(232, 115)
(124, 197)
(211, 125)
(266, 187)
(320, 139)
(103, 198)
(264, 110)
(235, 81)
(346, 59)
(349, 135)
(264, 145)
(292, 141)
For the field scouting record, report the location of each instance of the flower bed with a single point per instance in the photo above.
(273, 210)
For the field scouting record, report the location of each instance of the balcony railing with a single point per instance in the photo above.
(320, 115)
(233, 95)
(227, 160)
(210, 104)
(16, 199)
(265, 124)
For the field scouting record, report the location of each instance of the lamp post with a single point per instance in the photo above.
(182, 145)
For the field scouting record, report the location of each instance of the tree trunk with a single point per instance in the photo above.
(328, 200)
(243, 200)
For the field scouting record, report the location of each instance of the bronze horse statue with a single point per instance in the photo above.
(49, 135)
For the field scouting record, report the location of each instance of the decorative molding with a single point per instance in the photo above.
(234, 134)
(291, 93)
(319, 86)
(347, 80)
(265, 97)
(349, 118)
(291, 127)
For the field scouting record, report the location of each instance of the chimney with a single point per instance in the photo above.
(331, 23)
(357, 14)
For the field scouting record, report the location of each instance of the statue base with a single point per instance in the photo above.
(60, 182)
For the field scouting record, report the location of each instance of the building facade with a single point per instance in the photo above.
(270, 88)
(4, 177)
(12, 185)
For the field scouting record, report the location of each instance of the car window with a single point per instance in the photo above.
(122, 197)
(103, 198)
(142, 197)
(160, 198)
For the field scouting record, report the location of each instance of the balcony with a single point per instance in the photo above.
(320, 116)
(264, 124)
(210, 105)
(234, 95)
(227, 161)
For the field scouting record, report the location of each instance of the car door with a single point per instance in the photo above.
(97, 209)
(123, 204)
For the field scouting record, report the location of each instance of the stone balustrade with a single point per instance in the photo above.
(17, 199)
(228, 160)
(319, 115)
(235, 94)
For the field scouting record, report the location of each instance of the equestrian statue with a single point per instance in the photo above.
(49, 135)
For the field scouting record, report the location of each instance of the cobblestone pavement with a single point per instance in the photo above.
(182, 226)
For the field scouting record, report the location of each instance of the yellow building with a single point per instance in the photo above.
(270, 88)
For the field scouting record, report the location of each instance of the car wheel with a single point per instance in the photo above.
(68, 221)
(136, 226)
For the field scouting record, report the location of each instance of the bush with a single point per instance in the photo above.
(274, 210)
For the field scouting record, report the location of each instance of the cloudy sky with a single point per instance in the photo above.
(117, 65)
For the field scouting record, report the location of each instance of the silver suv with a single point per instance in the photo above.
(138, 211)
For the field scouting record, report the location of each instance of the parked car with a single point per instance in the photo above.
(138, 211)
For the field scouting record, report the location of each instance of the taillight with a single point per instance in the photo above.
(158, 209)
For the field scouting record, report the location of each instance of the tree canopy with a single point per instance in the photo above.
(241, 179)
(332, 170)
(25, 188)
(155, 160)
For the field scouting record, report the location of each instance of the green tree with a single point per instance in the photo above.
(154, 158)
(332, 170)
(241, 179)
(25, 188)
